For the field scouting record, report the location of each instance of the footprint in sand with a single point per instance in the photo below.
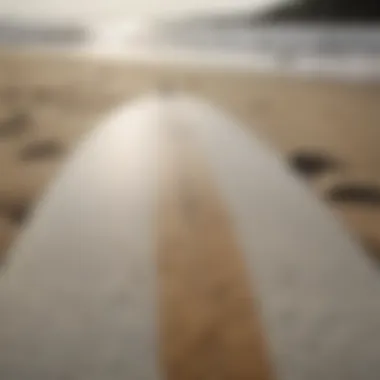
(7, 234)
(42, 95)
(15, 125)
(311, 164)
(360, 193)
(14, 211)
(372, 246)
(10, 94)
(41, 150)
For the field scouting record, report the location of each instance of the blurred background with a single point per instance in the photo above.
(304, 74)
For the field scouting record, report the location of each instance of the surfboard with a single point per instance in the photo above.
(174, 245)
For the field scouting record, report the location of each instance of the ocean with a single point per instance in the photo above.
(349, 53)
(336, 51)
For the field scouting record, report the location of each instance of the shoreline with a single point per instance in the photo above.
(364, 70)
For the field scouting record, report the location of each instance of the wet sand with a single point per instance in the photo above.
(47, 103)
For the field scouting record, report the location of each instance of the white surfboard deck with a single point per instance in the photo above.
(78, 295)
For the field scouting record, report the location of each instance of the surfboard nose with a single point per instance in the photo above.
(176, 246)
(166, 88)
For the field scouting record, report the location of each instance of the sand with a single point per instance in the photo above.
(47, 103)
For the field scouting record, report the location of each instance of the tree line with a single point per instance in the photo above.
(367, 11)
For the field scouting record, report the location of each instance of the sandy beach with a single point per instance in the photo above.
(47, 103)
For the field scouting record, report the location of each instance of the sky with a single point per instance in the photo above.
(110, 9)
